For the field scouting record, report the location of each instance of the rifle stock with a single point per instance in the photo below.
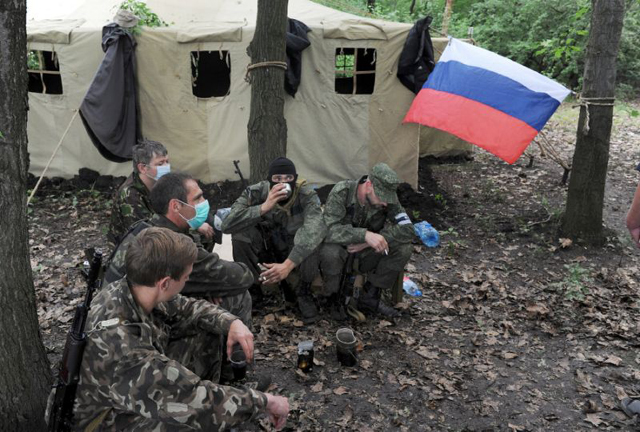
(61, 413)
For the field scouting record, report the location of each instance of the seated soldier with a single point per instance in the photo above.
(281, 229)
(135, 376)
(179, 205)
(131, 201)
(364, 217)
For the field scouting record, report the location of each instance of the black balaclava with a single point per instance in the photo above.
(282, 165)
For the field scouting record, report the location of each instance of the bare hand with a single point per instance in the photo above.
(276, 194)
(276, 272)
(635, 233)
(278, 410)
(206, 230)
(216, 300)
(377, 242)
(240, 334)
(356, 247)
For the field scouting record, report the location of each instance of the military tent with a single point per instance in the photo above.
(346, 116)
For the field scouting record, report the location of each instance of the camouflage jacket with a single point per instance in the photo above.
(211, 275)
(347, 221)
(125, 369)
(130, 204)
(299, 222)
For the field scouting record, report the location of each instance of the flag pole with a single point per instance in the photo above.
(33, 192)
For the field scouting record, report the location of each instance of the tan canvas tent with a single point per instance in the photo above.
(331, 135)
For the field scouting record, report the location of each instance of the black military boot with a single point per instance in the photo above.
(370, 302)
(307, 306)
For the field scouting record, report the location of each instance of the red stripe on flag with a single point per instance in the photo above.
(505, 136)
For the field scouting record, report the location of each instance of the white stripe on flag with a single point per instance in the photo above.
(478, 57)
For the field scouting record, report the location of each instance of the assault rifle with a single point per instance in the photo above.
(350, 291)
(61, 414)
(236, 163)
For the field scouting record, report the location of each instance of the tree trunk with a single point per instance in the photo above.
(371, 5)
(267, 125)
(412, 7)
(448, 8)
(24, 369)
(583, 215)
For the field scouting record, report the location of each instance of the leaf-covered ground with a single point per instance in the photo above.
(517, 329)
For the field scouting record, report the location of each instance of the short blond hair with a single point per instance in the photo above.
(159, 252)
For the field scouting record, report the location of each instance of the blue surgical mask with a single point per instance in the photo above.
(162, 170)
(202, 212)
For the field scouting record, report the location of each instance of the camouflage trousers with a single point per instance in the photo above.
(239, 305)
(249, 248)
(200, 352)
(381, 270)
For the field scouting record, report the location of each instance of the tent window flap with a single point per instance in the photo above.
(44, 72)
(210, 73)
(355, 70)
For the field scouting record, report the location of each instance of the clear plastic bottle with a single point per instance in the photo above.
(410, 287)
(428, 234)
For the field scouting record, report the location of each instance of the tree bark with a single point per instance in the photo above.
(267, 129)
(448, 8)
(24, 369)
(583, 215)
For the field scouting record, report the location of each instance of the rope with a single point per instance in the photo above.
(33, 192)
(585, 102)
(280, 64)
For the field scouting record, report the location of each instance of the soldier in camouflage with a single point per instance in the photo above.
(131, 201)
(280, 228)
(135, 375)
(364, 217)
(179, 204)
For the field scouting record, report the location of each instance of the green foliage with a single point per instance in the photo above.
(549, 36)
(144, 13)
(33, 62)
(574, 282)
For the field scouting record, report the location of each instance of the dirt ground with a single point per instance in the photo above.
(517, 329)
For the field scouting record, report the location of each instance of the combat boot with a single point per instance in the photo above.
(370, 302)
(307, 306)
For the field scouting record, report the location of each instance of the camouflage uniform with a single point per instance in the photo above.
(295, 230)
(211, 277)
(347, 222)
(133, 370)
(130, 204)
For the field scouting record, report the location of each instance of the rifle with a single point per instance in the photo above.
(61, 414)
(236, 163)
(348, 290)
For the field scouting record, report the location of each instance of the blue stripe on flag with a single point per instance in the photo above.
(494, 90)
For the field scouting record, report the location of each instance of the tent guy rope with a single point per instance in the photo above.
(33, 192)
(280, 64)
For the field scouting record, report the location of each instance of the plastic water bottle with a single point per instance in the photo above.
(410, 287)
(428, 234)
(220, 215)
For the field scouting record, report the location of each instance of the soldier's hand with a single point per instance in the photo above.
(276, 272)
(206, 230)
(277, 409)
(377, 242)
(277, 193)
(356, 247)
(240, 334)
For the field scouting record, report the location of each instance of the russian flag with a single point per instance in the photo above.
(486, 99)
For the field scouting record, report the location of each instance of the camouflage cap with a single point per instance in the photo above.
(385, 183)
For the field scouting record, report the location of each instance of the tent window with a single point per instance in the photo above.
(355, 70)
(210, 73)
(44, 72)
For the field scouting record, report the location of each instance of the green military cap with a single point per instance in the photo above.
(385, 183)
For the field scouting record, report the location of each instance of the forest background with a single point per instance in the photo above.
(548, 36)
